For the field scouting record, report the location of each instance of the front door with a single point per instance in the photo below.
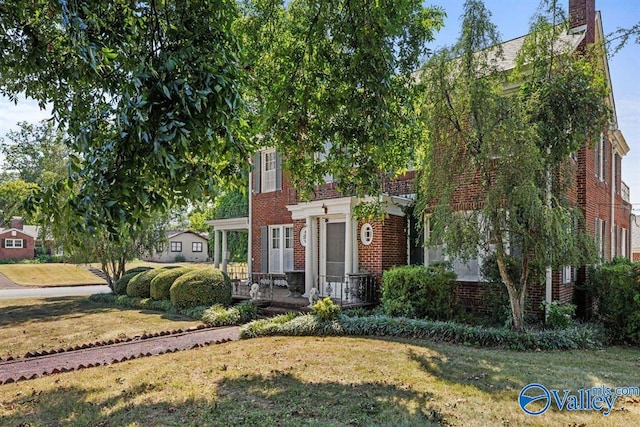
(334, 266)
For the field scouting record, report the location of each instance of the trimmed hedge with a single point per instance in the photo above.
(201, 287)
(579, 337)
(120, 287)
(140, 284)
(140, 269)
(419, 291)
(160, 285)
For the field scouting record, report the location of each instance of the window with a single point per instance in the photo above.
(196, 247)
(599, 156)
(176, 246)
(280, 248)
(268, 172)
(366, 234)
(567, 274)
(13, 243)
(303, 236)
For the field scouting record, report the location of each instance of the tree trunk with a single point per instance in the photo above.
(516, 296)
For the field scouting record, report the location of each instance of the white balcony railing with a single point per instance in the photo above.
(625, 192)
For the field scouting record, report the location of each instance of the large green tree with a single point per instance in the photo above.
(332, 85)
(497, 159)
(148, 92)
(35, 152)
(13, 195)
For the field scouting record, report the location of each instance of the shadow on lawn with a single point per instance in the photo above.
(64, 308)
(275, 400)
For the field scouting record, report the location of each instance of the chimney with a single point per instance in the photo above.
(581, 13)
(17, 223)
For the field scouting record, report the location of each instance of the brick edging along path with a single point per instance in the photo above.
(100, 355)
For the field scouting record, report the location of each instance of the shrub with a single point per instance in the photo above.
(419, 291)
(120, 287)
(578, 337)
(218, 315)
(559, 316)
(201, 287)
(325, 309)
(160, 285)
(615, 289)
(140, 269)
(140, 284)
(180, 258)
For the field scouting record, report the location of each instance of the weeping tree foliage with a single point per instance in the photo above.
(497, 161)
(332, 85)
(148, 92)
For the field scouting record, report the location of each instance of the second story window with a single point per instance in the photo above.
(268, 171)
(599, 155)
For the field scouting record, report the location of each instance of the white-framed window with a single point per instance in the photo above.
(623, 241)
(366, 234)
(13, 243)
(268, 171)
(176, 246)
(280, 248)
(567, 274)
(599, 156)
(321, 157)
(196, 246)
(303, 236)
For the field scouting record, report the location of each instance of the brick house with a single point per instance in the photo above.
(322, 238)
(18, 241)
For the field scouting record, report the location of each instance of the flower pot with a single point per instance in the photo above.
(295, 283)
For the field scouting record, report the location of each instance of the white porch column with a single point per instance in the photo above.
(216, 248)
(348, 245)
(225, 255)
(308, 257)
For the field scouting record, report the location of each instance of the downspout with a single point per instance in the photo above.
(549, 271)
(250, 240)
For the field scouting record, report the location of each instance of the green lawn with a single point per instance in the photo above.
(290, 381)
(48, 275)
(53, 323)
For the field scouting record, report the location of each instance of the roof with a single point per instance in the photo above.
(29, 230)
(176, 233)
(510, 49)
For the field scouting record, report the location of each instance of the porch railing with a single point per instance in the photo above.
(357, 288)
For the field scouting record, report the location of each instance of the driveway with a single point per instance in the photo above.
(9, 290)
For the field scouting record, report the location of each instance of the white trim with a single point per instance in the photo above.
(230, 224)
(303, 238)
(392, 205)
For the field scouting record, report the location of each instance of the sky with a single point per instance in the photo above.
(512, 17)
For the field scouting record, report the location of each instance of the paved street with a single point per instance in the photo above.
(54, 292)
(9, 290)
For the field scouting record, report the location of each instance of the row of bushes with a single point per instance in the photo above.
(325, 321)
(184, 286)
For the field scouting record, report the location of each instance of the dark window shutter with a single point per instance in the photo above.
(3, 243)
(278, 171)
(24, 243)
(264, 249)
(256, 172)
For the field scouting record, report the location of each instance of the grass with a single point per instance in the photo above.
(49, 275)
(52, 323)
(322, 382)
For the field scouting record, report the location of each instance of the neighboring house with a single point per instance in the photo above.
(181, 246)
(635, 238)
(322, 238)
(18, 241)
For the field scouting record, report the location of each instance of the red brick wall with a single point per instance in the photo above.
(268, 209)
(13, 253)
(388, 248)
